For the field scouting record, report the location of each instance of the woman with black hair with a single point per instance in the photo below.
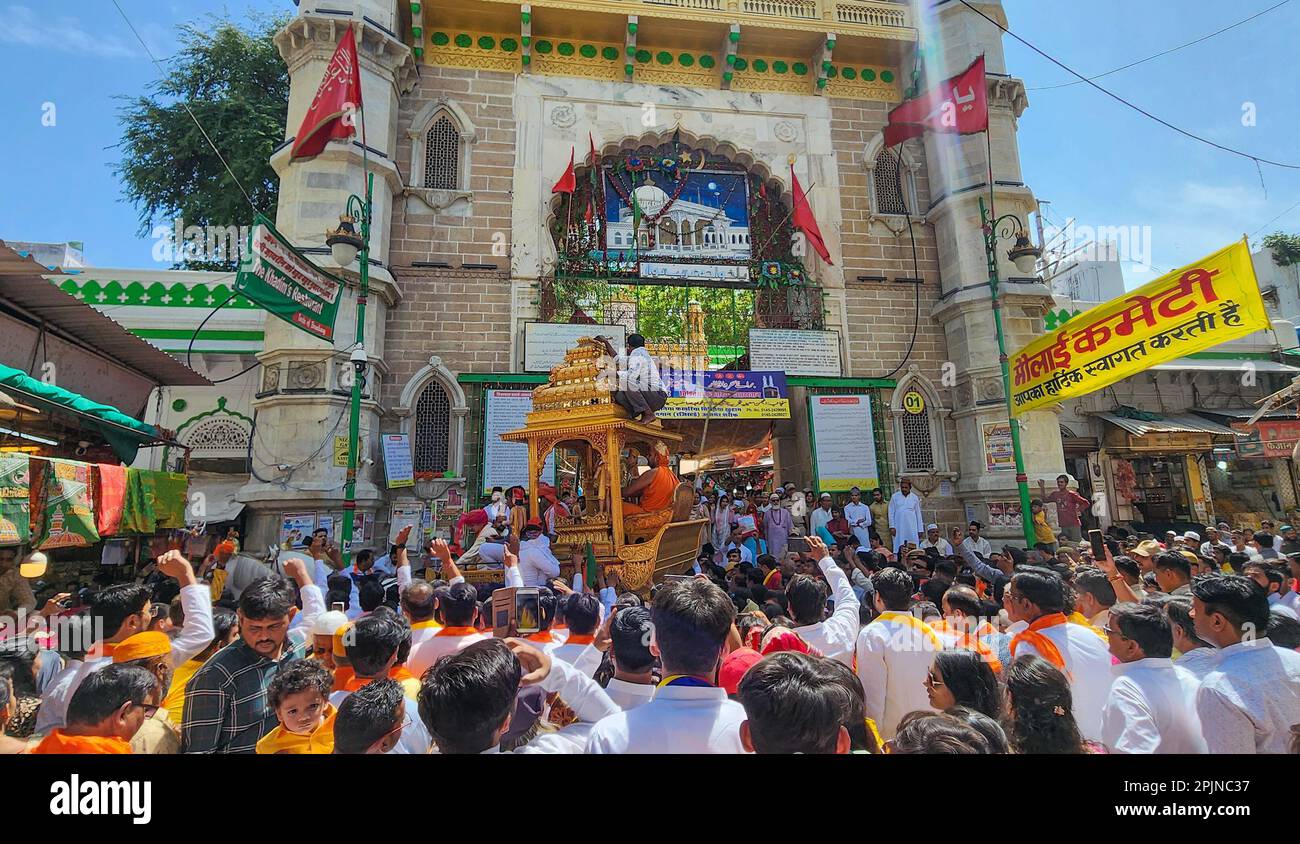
(963, 678)
(1040, 715)
(19, 652)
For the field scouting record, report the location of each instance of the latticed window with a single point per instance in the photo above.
(442, 155)
(889, 185)
(917, 447)
(432, 429)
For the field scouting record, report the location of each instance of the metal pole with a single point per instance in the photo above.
(1022, 480)
(354, 413)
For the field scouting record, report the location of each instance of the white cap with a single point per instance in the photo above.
(327, 622)
(1192, 535)
(931, 527)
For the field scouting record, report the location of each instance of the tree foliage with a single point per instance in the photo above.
(1286, 248)
(234, 81)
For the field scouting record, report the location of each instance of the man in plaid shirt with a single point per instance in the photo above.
(225, 701)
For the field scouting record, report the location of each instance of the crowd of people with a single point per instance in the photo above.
(804, 627)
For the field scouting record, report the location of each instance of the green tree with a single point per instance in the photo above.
(233, 80)
(1286, 248)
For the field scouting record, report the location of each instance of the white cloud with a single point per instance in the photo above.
(21, 25)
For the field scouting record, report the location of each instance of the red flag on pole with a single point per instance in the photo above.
(330, 114)
(804, 220)
(959, 105)
(568, 181)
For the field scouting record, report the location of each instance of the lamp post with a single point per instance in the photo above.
(345, 244)
(1024, 255)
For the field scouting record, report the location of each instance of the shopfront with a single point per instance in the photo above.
(1254, 478)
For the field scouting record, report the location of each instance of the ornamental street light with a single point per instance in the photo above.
(1024, 255)
(345, 245)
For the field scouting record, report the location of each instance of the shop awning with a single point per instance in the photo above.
(1225, 365)
(1243, 412)
(218, 491)
(1182, 423)
(124, 433)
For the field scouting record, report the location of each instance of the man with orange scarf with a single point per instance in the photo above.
(654, 489)
(961, 626)
(1035, 603)
(372, 650)
(105, 712)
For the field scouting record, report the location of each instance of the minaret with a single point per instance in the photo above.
(302, 404)
(959, 178)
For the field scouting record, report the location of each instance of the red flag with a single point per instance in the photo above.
(339, 93)
(959, 105)
(568, 181)
(590, 213)
(805, 221)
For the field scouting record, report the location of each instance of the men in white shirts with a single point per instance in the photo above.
(372, 652)
(467, 700)
(499, 508)
(1251, 698)
(933, 539)
(818, 519)
(976, 543)
(1173, 573)
(1152, 702)
(418, 605)
(537, 564)
(794, 703)
(894, 653)
(125, 609)
(689, 713)
(627, 637)
(905, 522)
(858, 514)
(639, 392)
(1212, 540)
(1035, 601)
(457, 611)
(1272, 579)
(581, 611)
(834, 637)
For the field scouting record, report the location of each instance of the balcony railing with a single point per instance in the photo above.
(803, 14)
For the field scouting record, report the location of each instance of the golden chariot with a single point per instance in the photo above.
(572, 413)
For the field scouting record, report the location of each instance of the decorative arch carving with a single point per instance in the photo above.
(918, 436)
(440, 198)
(436, 371)
(906, 176)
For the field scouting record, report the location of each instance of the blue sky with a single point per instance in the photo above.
(1094, 159)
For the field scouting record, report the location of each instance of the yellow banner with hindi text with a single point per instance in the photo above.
(1201, 305)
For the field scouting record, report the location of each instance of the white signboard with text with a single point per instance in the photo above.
(398, 466)
(546, 342)
(844, 446)
(795, 352)
(506, 464)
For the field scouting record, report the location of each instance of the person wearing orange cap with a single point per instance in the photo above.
(152, 651)
(556, 508)
(299, 694)
(214, 567)
(105, 712)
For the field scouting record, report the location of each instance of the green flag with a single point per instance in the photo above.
(591, 566)
(636, 219)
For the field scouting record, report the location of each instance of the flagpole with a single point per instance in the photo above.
(988, 225)
(359, 360)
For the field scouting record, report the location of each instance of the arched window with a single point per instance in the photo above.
(442, 155)
(892, 188)
(433, 410)
(441, 139)
(918, 426)
(432, 429)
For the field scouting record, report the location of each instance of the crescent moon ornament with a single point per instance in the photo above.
(704, 157)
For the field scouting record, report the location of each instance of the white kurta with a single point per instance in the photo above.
(894, 653)
(1152, 709)
(859, 518)
(838, 635)
(1250, 699)
(905, 518)
(679, 719)
(1087, 664)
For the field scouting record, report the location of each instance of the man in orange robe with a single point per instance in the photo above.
(105, 712)
(654, 489)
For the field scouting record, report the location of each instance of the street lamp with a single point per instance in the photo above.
(345, 245)
(1024, 255)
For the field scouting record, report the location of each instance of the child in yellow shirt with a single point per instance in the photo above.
(1042, 530)
(299, 694)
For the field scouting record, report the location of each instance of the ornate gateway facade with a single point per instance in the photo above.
(684, 120)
